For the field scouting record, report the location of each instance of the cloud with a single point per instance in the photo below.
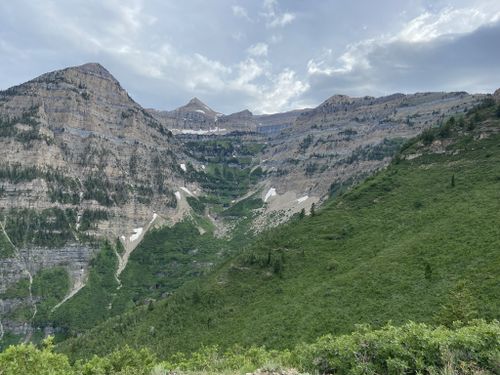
(450, 21)
(240, 12)
(221, 51)
(258, 49)
(282, 20)
(273, 16)
(451, 49)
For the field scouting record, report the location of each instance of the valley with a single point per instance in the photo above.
(151, 226)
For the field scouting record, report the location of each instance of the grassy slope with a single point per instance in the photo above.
(391, 249)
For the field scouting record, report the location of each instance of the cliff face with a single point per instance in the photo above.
(346, 138)
(79, 161)
(76, 140)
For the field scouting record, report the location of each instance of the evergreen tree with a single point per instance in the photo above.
(460, 305)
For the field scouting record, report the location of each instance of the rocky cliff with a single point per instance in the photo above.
(82, 162)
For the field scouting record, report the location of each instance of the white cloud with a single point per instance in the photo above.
(286, 87)
(429, 26)
(274, 18)
(258, 49)
(422, 29)
(282, 20)
(240, 12)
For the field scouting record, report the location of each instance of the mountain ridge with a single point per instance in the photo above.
(85, 164)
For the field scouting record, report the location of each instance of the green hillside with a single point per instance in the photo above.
(418, 241)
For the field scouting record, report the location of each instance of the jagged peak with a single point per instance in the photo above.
(196, 101)
(196, 104)
(244, 113)
(92, 67)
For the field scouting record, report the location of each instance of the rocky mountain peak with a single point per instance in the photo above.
(196, 105)
(196, 102)
(93, 68)
(242, 114)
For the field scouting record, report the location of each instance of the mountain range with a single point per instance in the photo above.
(105, 205)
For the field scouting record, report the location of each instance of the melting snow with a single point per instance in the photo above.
(270, 193)
(154, 218)
(183, 167)
(136, 235)
(303, 199)
(198, 132)
(203, 167)
(200, 111)
(178, 195)
(186, 190)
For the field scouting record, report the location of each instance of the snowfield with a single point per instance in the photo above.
(136, 235)
(303, 199)
(270, 193)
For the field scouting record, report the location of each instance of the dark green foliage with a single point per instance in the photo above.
(90, 219)
(310, 169)
(6, 248)
(313, 209)
(18, 290)
(197, 205)
(410, 349)
(459, 305)
(91, 303)
(498, 111)
(49, 227)
(384, 149)
(381, 244)
(25, 136)
(51, 285)
(243, 208)
(225, 182)
(428, 271)
(305, 143)
(428, 136)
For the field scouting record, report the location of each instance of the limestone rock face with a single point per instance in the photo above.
(108, 152)
(79, 161)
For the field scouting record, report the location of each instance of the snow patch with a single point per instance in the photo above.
(123, 238)
(198, 132)
(183, 167)
(178, 195)
(136, 235)
(154, 218)
(200, 111)
(303, 199)
(187, 191)
(271, 193)
(203, 167)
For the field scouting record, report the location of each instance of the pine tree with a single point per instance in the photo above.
(460, 305)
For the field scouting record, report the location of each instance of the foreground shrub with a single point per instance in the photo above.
(413, 348)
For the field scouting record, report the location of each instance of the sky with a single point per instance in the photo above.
(263, 55)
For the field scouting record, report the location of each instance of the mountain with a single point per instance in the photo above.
(80, 162)
(416, 241)
(193, 117)
(104, 209)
